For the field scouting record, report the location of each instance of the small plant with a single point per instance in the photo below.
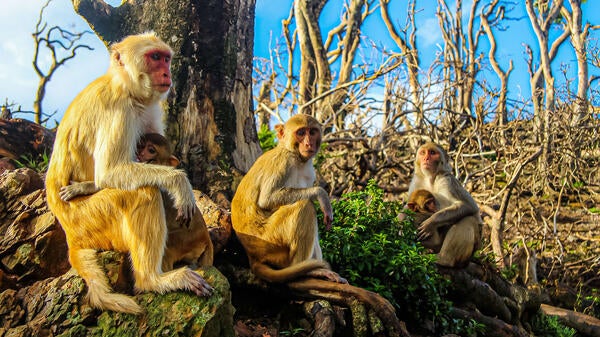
(588, 301)
(38, 163)
(266, 138)
(549, 326)
(369, 247)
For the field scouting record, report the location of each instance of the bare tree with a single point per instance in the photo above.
(408, 46)
(501, 109)
(462, 59)
(57, 41)
(318, 55)
(579, 34)
(542, 16)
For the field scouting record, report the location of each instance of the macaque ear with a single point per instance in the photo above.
(411, 206)
(173, 161)
(279, 128)
(116, 56)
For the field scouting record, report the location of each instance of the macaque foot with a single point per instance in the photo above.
(198, 284)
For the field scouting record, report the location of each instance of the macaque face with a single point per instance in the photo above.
(146, 152)
(158, 62)
(430, 206)
(428, 157)
(308, 140)
(422, 201)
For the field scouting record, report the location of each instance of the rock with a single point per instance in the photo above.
(32, 243)
(41, 296)
(57, 307)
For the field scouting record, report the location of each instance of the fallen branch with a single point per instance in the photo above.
(348, 294)
(585, 324)
(493, 327)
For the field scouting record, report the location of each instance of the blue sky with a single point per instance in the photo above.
(18, 81)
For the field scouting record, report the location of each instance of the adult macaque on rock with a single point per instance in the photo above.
(96, 140)
(453, 229)
(272, 211)
(189, 243)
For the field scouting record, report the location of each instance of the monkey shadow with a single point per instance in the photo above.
(119, 270)
(275, 255)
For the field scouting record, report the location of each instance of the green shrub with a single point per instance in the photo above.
(549, 326)
(266, 138)
(365, 246)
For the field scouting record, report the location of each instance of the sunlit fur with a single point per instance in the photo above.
(456, 208)
(190, 243)
(273, 214)
(423, 204)
(96, 140)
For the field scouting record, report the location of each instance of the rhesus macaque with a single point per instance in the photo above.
(423, 203)
(272, 211)
(154, 148)
(96, 140)
(190, 244)
(455, 207)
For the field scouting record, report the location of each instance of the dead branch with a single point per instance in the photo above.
(497, 226)
(587, 325)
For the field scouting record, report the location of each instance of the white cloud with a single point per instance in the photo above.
(429, 33)
(19, 81)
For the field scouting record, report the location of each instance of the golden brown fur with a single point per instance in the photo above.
(457, 212)
(96, 140)
(272, 211)
(188, 243)
(423, 203)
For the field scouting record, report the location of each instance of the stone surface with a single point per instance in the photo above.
(41, 296)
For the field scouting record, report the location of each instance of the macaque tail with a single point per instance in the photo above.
(100, 295)
(269, 274)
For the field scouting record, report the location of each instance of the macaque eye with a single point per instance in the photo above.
(301, 132)
(152, 150)
(314, 132)
(155, 56)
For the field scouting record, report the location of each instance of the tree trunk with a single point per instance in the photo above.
(209, 114)
(579, 37)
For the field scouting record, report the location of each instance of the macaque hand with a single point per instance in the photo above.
(425, 230)
(185, 212)
(401, 216)
(66, 193)
(185, 203)
(326, 208)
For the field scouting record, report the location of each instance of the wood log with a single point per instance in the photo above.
(584, 324)
(20, 137)
(494, 327)
(347, 294)
(323, 316)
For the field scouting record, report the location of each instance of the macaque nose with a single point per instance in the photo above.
(308, 142)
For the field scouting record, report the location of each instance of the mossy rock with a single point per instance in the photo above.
(57, 306)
